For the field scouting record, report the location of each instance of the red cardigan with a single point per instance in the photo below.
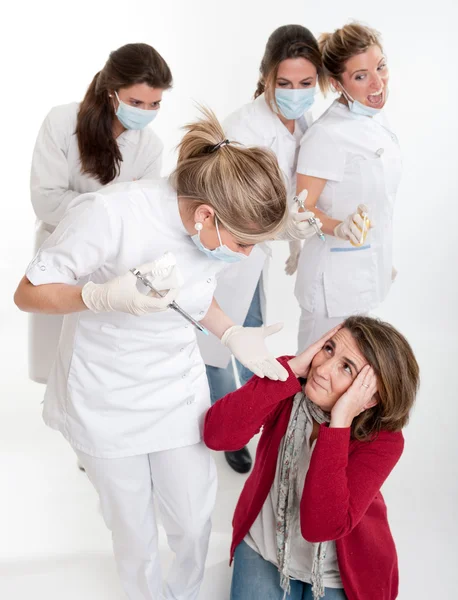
(341, 500)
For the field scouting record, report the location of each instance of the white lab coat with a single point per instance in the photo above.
(360, 158)
(123, 385)
(254, 124)
(56, 179)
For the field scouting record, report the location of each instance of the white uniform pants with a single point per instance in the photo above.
(313, 325)
(184, 483)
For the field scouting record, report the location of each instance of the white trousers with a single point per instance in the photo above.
(184, 483)
(313, 325)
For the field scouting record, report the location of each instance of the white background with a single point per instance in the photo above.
(52, 541)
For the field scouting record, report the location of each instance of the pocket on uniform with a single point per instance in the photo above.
(350, 280)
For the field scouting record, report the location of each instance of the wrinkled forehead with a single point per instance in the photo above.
(346, 346)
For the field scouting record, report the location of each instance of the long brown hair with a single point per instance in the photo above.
(126, 66)
(397, 371)
(288, 41)
(244, 186)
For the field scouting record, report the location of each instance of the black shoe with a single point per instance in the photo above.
(240, 460)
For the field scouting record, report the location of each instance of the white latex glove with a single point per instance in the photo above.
(351, 228)
(297, 226)
(248, 346)
(121, 295)
(293, 259)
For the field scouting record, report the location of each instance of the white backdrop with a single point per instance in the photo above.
(50, 52)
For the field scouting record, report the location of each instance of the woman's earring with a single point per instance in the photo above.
(198, 226)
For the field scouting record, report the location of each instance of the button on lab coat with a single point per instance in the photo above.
(359, 156)
(123, 385)
(56, 180)
(254, 124)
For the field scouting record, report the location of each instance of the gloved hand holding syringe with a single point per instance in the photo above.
(315, 223)
(164, 265)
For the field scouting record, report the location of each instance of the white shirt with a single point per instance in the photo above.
(262, 534)
(253, 124)
(123, 385)
(359, 156)
(56, 177)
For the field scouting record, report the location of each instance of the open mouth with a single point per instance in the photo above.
(377, 99)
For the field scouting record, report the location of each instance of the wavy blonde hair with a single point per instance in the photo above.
(338, 47)
(244, 186)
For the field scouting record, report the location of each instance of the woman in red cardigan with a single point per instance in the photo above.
(311, 521)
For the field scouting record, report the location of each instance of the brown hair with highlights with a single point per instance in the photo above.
(338, 47)
(288, 41)
(397, 371)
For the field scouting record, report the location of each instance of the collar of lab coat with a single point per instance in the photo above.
(129, 137)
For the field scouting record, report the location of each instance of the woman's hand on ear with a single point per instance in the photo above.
(300, 364)
(359, 397)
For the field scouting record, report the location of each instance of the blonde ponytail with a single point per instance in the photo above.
(201, 136)
(244, 186)
(324, 41)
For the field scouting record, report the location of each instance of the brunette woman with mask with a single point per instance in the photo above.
(84, 146)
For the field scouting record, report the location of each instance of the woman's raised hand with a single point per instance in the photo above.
(300, 364)
(359, 397)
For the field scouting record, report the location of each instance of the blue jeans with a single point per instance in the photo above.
(222, 381)
(254, 578)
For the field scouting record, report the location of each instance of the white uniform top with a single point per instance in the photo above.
(254, 124)
(56, 179)
(123, 385)
(56, 176)
(359, 157)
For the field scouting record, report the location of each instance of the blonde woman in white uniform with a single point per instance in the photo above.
(349, 157)
(82, 147)
(277, 118)
(128, 389)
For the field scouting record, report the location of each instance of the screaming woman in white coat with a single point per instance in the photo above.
(276, 119)
(350, 164)
(83, 146)
(128, 389)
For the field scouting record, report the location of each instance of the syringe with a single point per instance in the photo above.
(173, 305)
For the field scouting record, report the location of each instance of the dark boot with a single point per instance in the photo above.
(240, 460)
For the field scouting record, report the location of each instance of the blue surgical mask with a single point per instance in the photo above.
(294, 103)
(222, 252)
(358, 108)
(132, 117)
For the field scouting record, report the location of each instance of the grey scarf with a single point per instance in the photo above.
(288, 502)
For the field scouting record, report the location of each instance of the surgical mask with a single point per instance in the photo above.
(222, 252)
(132, 117)
(358, 108)
(294, 103)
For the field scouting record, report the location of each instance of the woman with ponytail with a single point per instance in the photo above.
(86, 145)
(349, 166)
(128, 389)
(277, 118)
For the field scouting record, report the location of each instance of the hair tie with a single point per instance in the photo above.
(216, 147)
